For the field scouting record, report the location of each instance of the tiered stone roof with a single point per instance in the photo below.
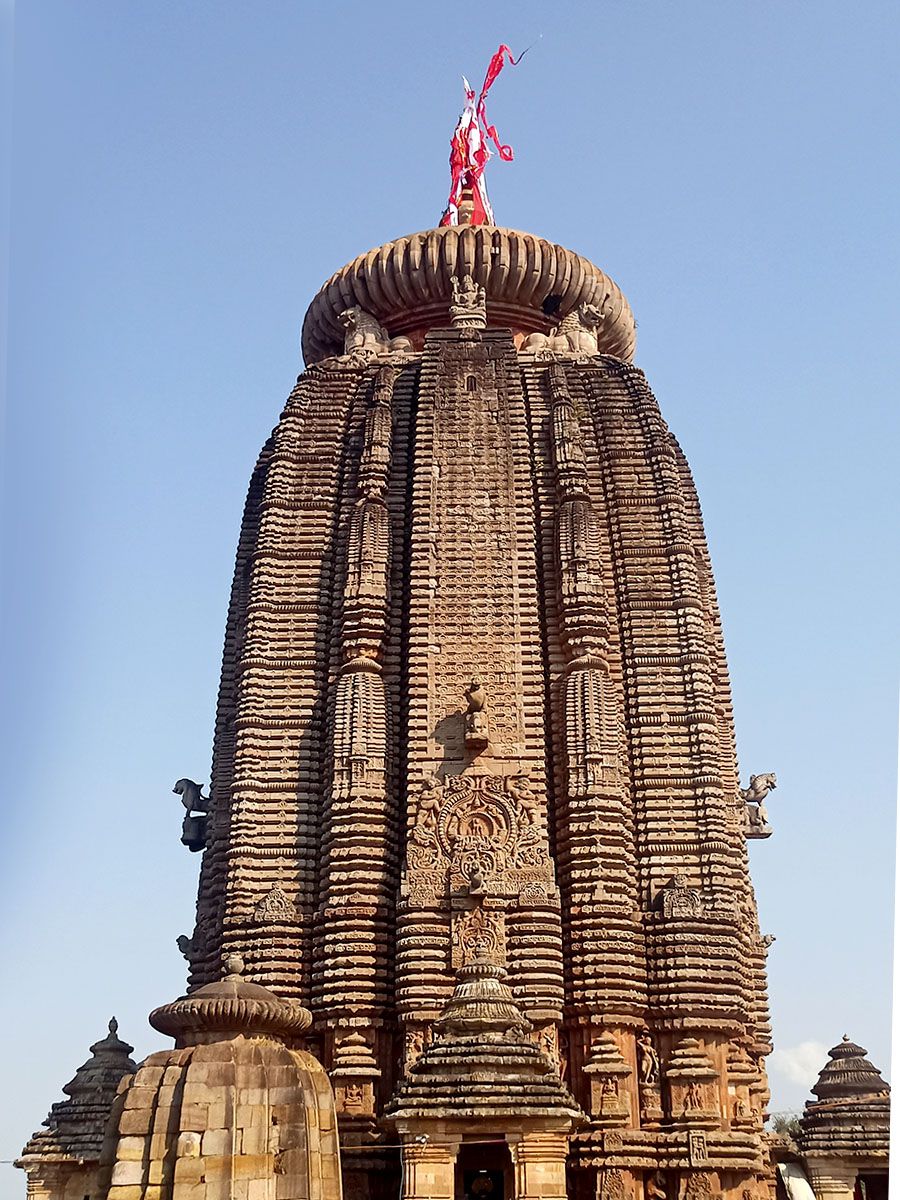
(75, 1126)
(482, 1064)
(851, 1116)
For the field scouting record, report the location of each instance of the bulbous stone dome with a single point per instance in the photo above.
(530, 284)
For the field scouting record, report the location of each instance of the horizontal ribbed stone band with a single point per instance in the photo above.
(531, 284)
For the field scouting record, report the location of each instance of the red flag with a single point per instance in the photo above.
(469, 149)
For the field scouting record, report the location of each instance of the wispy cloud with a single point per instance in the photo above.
(801, 1063)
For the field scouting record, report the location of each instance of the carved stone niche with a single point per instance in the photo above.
(699, 1185)
(353, 1075)
(415, 1039)
(608, 1073)
(614, 1184)
(649, 1080)
(678, 901)
(478, 933)
(742, 1075)
(693, 1086)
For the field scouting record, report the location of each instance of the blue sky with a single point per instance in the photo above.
(184, 177)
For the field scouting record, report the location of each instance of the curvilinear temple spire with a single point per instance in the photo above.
(475, 844)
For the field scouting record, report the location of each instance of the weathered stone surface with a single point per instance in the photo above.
(474, 761)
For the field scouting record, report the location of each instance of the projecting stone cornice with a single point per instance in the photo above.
(530, 285)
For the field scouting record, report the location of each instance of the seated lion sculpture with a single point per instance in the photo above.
(363, 334)
(575, 334)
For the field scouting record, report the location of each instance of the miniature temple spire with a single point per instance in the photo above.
(69, 1146)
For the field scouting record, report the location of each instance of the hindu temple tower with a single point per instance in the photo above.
(475, 845)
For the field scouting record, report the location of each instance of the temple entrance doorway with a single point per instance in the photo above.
(484, 1170)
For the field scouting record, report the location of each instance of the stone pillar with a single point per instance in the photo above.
(831, 1179)
(539, 1162)
(429, 1168)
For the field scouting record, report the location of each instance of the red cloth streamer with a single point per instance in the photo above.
(469, 149)
(495, 66)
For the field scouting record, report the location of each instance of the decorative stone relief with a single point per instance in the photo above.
(360, 721)
(415, 1039)
(692, 1081)
(477, 729)
(274, 906)
(648, 1059)
(592, 729)
(609, 1074)
(697, 1148)
(611, 1184)
(655, 1186)
(353, 1074)
(478, 933)
(680, 901)
(364, 336)
(575, 334)
(468, 309)
(489, 827)
(699, 1185)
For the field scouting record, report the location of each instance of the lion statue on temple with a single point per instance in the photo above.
(753, 798)
(760, 786)
(364, 335)
(575, 334)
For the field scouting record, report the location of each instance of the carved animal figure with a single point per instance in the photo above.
(191, 795)
(755, 794)
(476, 696)
(575, 334)
(655, 1186)
(193, 827)
(760, 786)
(364, 335)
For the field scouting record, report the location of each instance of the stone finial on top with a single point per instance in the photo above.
(848, 1073)
(233, 966)
(230, 1007)
(468, 304)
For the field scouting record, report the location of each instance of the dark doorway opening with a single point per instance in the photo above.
(484, 1170)
(872, 1186)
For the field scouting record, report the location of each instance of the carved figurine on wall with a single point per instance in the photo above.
(648, 1059)
(364, 336)
(413, 1045)
(468, 309)
(193, 828)
(754, 798)
(528, 809)
(575, 334)
(693, 1097)
(477, 733)
(429, 803)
